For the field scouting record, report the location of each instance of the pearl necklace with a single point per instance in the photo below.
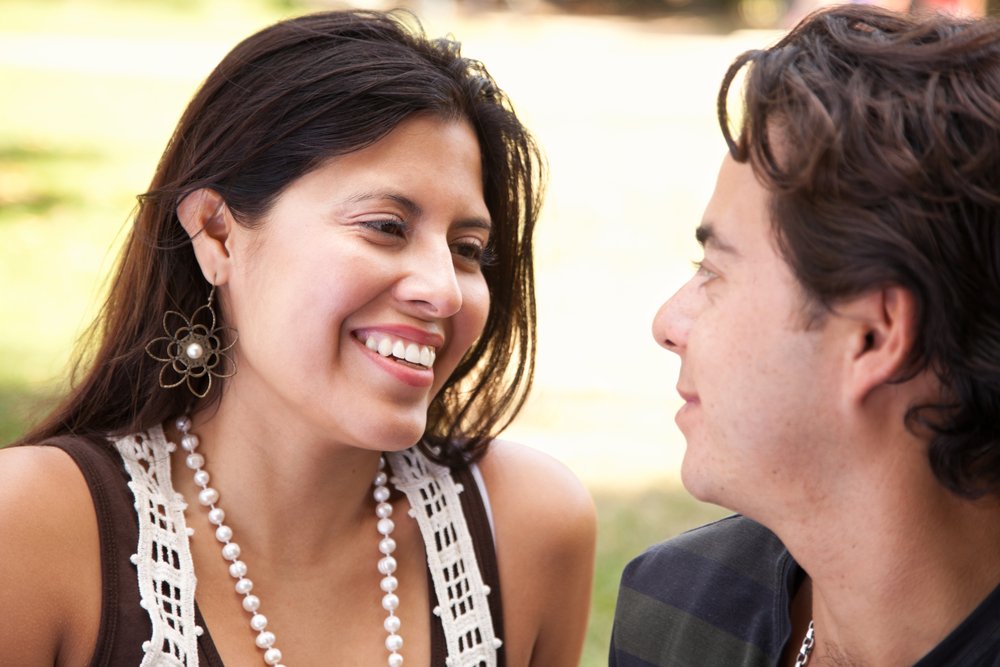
(209, 498)
(807, 647)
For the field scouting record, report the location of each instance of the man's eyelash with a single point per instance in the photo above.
(703, 270)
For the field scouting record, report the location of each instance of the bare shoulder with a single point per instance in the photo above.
(51, 558)
(545, 535)
(529, 486)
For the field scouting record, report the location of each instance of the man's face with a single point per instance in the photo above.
(759, 386)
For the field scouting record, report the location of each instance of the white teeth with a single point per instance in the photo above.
(385, 347)
(423, 355)
(413, 353)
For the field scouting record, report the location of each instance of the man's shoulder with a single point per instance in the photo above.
(713, 595)
(735, 545)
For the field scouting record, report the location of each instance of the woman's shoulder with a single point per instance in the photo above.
(545, 533)
(51, 558)
(527, 483)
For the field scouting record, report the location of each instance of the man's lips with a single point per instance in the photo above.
(688, 396)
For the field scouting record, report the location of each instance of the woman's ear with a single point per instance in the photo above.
(207, 220)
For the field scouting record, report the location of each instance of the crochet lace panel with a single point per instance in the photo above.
(163, 556)
(451, 558)
(166, 571)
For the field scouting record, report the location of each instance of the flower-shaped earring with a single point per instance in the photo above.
(195, 349)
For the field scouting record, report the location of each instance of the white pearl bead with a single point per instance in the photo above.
(395, 660)
(223, 533)
(380, 479)
(231, 551)
(258, 622)
(243, 586)
(386, 526)
(194, 351)
(238, 569)
(265, 639)
(390, 602)
(387, 545)
(387, 565)
(272, 656)
(394, 642)
(251, 603)
(190, 442)
(183, 423)
(202, 478)
(389, 584)
(217, 516)
(208, 496)
(381, 494)
(391, 624)
(194, 461)
(381, 463)
(383, 510)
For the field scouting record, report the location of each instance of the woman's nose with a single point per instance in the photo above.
(431, 281)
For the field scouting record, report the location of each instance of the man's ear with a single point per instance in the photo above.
(207, 220)
(881, 333)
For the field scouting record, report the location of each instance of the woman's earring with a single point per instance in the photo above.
(194, 349)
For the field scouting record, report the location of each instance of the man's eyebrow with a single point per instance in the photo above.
(708, 236)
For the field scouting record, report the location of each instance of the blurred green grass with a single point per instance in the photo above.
(77, 145)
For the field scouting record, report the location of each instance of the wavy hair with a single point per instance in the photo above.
(278, 105)
(888, 172)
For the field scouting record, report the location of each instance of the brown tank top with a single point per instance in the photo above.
(125, 625)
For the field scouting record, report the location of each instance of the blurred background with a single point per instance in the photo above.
(621, 96)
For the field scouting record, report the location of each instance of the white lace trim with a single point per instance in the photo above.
(451, 558)
(165, 569)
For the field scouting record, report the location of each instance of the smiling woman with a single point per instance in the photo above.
(326, 296)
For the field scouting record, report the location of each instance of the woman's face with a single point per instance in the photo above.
(362, 289)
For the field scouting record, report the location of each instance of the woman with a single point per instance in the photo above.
(332, 264)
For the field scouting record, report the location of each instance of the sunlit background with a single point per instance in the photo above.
(620, 94)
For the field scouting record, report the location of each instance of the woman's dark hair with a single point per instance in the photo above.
(280, 104)
(878, 135)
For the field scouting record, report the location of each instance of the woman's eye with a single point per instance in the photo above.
(474, 252)
(387, 226)
(468, 250)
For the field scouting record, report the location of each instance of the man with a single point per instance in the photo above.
(840, 363)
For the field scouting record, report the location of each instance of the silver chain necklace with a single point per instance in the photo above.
(807, 647)
(265, 640)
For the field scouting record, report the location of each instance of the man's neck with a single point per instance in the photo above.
(894, 570)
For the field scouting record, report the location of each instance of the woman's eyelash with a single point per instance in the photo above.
(482, 255)
(387, 226)
(488, 256)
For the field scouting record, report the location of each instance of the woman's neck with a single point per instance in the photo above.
(279, 485)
